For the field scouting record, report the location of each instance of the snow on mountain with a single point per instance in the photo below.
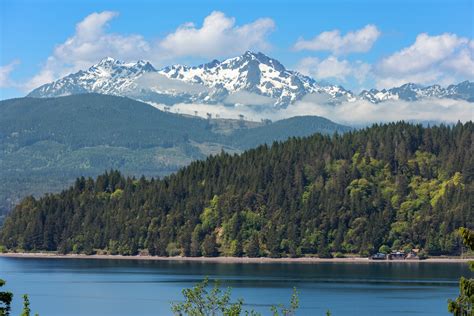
(413, 92)
(254, 74)
(109, 76)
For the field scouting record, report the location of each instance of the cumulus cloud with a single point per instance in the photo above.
(334, 68)
(89, 44)
(218, 36)
(358, 41)
(5, 71)
(444, 59)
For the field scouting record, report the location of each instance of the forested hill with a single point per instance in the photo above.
(398, 185)
(47, 143)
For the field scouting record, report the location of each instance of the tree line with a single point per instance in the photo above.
(396, 186)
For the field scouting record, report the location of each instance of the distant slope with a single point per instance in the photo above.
(93, 119)
(280, 130)
(46, 143)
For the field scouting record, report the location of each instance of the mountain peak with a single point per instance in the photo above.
(257, 55)
(108, 61)
(410, 85)
(250, 54)
(145, 65)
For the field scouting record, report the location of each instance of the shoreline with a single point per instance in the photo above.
(307, 260)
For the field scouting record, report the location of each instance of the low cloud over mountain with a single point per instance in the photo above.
(259, 87)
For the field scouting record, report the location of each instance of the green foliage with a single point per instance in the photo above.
(287, 310)
(399, 185)
(464, 303)
(209, 246)
(252, 248)
(5, 300)
(199, 301)
(172, 249)
(117, 194)
(26, 306)
(384, 249)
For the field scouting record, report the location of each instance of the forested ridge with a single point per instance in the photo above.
(45, 144)
(398, 185)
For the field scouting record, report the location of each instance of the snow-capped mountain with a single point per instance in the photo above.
(254, 73)
(413, 92)
(218, 81)
(109, 76)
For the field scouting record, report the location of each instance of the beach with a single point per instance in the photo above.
(308, 260)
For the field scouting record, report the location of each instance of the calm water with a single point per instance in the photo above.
(124, 287)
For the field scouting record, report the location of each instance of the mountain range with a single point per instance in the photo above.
(251, 79)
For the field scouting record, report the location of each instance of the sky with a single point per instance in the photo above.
(357, 44)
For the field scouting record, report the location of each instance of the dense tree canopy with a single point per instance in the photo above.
(398, 185)
(46, 143)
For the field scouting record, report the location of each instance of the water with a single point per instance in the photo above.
(69, 287)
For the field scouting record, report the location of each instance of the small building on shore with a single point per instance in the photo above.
(379, 256)
(396, 255)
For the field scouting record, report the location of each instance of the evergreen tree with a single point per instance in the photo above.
(464, 303)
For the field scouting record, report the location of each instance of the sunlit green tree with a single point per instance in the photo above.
(464, 303)
(199, 301)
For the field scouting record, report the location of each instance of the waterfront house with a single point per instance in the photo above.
(397, 255)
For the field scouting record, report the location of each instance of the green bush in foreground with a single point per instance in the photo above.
(464, 303)
(199, 301)
(6, 300)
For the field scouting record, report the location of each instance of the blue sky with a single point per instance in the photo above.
(366, 44)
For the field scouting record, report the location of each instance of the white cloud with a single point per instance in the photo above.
(249, 99)
(358, 41)
(89, 44)
(364, 112)
(462, 63)
(216, 110)
(333, 68)
(360, 112)
(218, 36)
(5, 71)
(159, 82)
(445, 59)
